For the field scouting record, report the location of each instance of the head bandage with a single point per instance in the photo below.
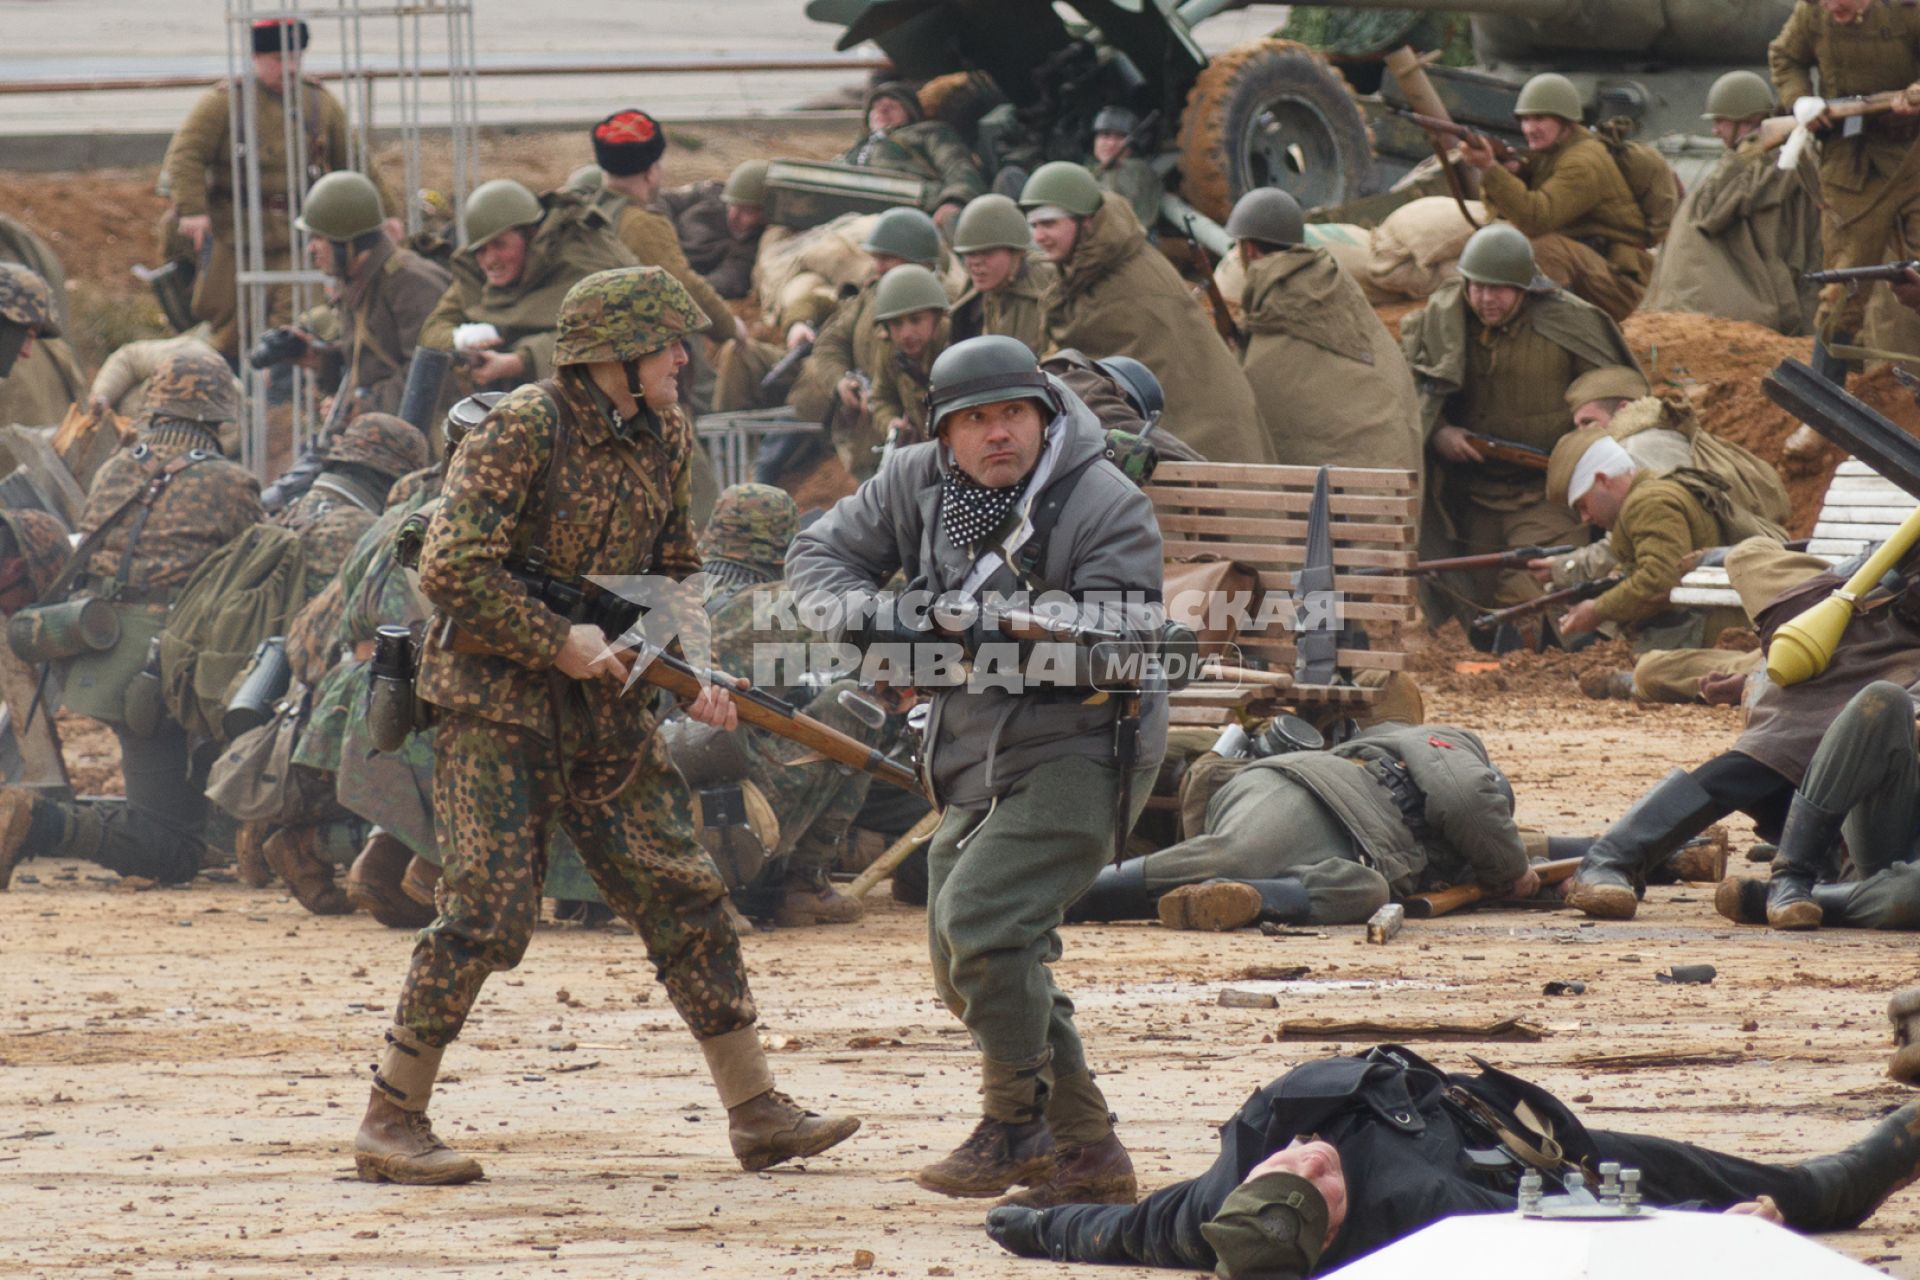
(1604, 456)
(1047, 213)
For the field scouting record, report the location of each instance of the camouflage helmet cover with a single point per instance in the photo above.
(390, 445)
(752, 525)
(26, 300)
(195, 385)
(623, 314)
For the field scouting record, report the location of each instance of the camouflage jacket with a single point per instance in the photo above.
(927, 149)
(381, 315)
(622, 509)
(203, 507)
(330, 517)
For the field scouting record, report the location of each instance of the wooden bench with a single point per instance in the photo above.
(1861, 508)
(1257, 515)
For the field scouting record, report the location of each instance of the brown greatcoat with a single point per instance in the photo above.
(381, 315)
(1332, 385)
(1117, 296)
(1740, 242)
(1017, 309)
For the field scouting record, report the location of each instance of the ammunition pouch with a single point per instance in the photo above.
(96, 681)
(704, 755)
(1407, 796)
(49, 632)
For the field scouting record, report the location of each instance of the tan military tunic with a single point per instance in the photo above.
(1017, 309)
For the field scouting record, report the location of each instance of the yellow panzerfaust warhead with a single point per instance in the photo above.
(1803, 647)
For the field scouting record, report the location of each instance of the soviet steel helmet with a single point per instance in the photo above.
(1549, 94)
(1739, 95)
(747, 184)
(1062, 183)
(623, 314)
(1498, 254)
(905, 233)
(496, 206)
(1268, 215)
(991, 221)
(906, 289)
(341, 206)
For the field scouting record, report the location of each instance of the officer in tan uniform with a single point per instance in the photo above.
(1588, 231)
(1869, 176)
(199, 170)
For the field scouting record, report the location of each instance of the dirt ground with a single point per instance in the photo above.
(184, 1068)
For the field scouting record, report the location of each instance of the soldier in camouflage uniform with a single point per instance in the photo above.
(199, 170)
(359, 469)
(585, 474)
(26, 313)
(901, 138)
(155, 512)
(743, 555)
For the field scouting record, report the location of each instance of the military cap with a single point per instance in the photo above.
(274, 35)
(26, 300)
(623, 314)
(194, 385)
(901, 93)
(752, 524)
(747, 184)
(390, 445)
(628, 142)
(41, 541)
(1609, 382)
(1275, 1224)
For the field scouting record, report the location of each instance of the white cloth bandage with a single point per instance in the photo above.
(475, 337)
(1605, 456)
(1047, 213)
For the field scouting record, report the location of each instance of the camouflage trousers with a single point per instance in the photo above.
(497, 788)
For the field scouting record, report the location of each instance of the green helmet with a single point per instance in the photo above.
(906, 289)
(1499, 254)
(1115, 120)
(341, 206)
(388, 444)
(587, 179)
(992, 221)
(905, 233)
(195, 385)
(1063, 183)
(1739, 95)
(26, 300)
(1549, 94)
(751, 525)
(985, 370)
(623, 314)
(747, 184)
(1269, 215)
(499, 206)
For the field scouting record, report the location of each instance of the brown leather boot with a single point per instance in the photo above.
(396, 1142)
(765, 1126)
(1608, 684)
(809, 901)
(249, 860)
(419, 881)
(16, 818)
(373, 884)
(1742, 900)
(1097, 1173)
(1011, 1145)
(1703, 859)
(290, 851)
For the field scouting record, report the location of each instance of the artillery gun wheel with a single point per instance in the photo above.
(1272, 113)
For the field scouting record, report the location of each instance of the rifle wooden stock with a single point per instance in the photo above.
(1540, 604)
(1775, 130)
(1516, 558)
(1440, 902)
(1441, 127)
(1216, 302)
(764, 711)
(1511, 452)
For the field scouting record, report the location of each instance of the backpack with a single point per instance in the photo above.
(1737, 523)
(246, 591)
(1651, 180)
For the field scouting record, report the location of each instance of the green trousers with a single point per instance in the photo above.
(998, 882)
(1867, 767)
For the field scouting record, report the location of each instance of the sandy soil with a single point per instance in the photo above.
(184, 1068)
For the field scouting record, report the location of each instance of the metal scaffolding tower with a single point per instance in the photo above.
(386, 53)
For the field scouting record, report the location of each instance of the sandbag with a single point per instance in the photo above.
(1415, 250)
(1351, 246)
